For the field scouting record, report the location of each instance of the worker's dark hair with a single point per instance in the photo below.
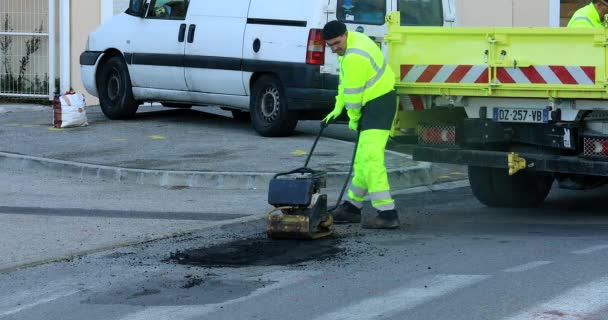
(333, 29)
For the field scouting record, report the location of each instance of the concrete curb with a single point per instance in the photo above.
(400, 178)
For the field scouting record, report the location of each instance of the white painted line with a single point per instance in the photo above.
(48, 297)
(583, 302)
(591, 249)
(404, 298)
(283, 279)
(528, 266)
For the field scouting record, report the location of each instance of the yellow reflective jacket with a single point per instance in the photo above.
(364, 74)
(585, 17)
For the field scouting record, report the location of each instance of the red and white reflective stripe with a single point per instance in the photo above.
(547, 75)
(580, 75)
(444, 73)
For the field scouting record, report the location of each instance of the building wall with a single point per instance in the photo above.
(86, 17)
(503, 13)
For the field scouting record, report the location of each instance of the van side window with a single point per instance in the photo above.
(361, 11)
(421, 12)
(168, 9)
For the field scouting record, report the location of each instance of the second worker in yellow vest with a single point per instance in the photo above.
(366, 90)
(589, 16)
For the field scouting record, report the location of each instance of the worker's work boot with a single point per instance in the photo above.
(346, 213)
(388, 219)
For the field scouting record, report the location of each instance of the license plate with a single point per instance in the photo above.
(521, 115)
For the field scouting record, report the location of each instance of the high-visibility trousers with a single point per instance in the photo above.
(370, 175)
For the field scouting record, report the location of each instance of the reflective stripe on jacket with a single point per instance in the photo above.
(585, 17)
(364, 74)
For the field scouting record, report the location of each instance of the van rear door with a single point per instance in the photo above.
(425, 12)
(365, 16)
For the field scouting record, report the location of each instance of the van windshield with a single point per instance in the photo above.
(420, 12)
(361, 11)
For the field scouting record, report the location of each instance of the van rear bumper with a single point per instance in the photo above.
(310, 98)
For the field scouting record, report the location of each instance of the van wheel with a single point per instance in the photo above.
(115, 92)
(495, 188)
(268, 107)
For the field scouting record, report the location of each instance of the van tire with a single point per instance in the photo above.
(495, 188)
(270, 116)
(115, 91)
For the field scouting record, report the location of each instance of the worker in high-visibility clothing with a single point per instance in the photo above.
(589, 16)
(366, 90)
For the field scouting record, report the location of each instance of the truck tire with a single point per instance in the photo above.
(495, 188)
(270, 116)
(115, 92)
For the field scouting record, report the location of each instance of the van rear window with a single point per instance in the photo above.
(361, 11)
(421, 12)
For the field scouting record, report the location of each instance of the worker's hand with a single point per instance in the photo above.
(353, 125)
(332, 115)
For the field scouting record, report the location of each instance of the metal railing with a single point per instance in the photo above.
(25, 48)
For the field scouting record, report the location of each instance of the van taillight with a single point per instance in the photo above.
(315, 52)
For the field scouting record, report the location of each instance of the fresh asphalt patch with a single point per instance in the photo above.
(125, 214)
(260, 252)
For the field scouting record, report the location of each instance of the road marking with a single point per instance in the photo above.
(403, 298)
(583, 302)
(283, 279)
(528, 266)
(299, 152)
(48, 297)
(591, 249)
(157, 137)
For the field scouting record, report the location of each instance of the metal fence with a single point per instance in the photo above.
(25, 68)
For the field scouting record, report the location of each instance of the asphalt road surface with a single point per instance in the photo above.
(452, 259)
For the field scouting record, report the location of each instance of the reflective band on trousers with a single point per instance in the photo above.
(583, 18)
(353, 105)
(382, 195)
(388, 206)
(359, 192)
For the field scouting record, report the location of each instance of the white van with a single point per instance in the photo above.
(262, 59)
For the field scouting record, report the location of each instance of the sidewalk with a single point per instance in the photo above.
(169, 147)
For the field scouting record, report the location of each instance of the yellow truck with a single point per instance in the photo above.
(534, 105)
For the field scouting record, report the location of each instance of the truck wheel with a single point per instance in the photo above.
(115, 92)
(495, 188)
(268, 107)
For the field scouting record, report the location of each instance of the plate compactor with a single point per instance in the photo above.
(300, 208)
